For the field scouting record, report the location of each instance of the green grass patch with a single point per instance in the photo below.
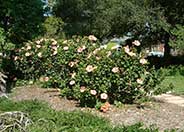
(46, 119)
(176, 82)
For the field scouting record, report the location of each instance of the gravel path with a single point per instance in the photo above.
(161, 114)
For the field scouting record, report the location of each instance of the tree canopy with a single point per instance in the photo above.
(21, 19)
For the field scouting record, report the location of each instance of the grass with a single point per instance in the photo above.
(176, 82)
(48, 120)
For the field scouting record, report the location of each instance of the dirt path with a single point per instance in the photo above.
(169, 98)
(162, 114)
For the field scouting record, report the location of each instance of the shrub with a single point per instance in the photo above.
(88, 72)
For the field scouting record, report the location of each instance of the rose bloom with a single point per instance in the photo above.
(98, 58)
(55, 52)
(73, 75)
(15, 78)
(54, 47)
(71, 63)
(16, 58)
(41, 40)
(89, 56)
(136, 43)
(65, 48)
(38, 41)
(90, 68)
(103, 96)
(82, 89)
(139, 81)
(46, 79)
(96, 50)
(127, 49)
(109, 53)
(79, 50)
(27, 54)
(83, 47)
(28, 47)
(39, 54)
(72, 82)
(54, 42)
(115, 69)
(38, 46)
(92, 38)
(93, 92)
(131, 54)
(143, 61)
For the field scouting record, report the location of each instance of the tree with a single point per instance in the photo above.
(21, 19)
(177, 41)
(105, 18)
(173, 10)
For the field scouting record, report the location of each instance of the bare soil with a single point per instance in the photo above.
(162, 115)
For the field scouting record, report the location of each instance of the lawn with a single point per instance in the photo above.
(176, 81)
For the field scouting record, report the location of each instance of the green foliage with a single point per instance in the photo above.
(87, 72)
(21, 20)
(5, 50)
(104, 18)
(178, 38)
(173, 10)
(47, 120)
(53, 26)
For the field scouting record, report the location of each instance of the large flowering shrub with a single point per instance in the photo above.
(85, 71)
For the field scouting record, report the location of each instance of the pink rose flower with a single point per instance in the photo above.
(103, 96)
(139, 81)
(38, 41)
(93, 92)
(92, 38)
(136, 43)
(55, 52)
(40, 55)
(65, 48)
(90, 68)
(143, 61)
(46, 79)
(38, 46)
(115, 69)
(73, 75)
(16, 58)
(28, 47)
(127, 49)
(54, 47)
(71, 63)
(131, 54)
(72, 82)
(82, 89)
(27, 54)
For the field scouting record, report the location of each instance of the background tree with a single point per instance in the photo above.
(21, 19)
(105, 18)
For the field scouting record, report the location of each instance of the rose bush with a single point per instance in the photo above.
(88, 72)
